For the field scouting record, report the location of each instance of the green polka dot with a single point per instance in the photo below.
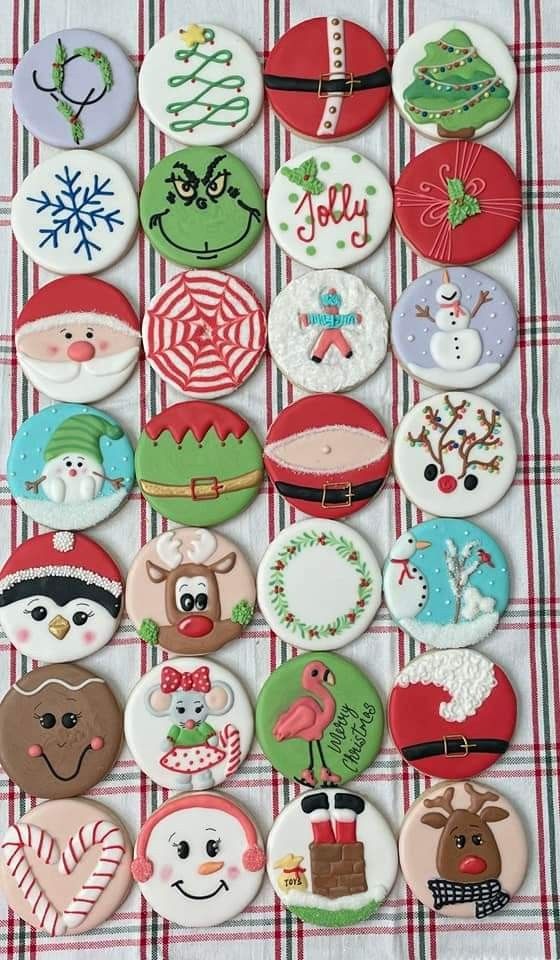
(338, 186)
(325, 165)
(308, 219)
(356, 158)
(310, 251)
(370, 190)
(340, 244)
(283, 226)
(368, 238)
(293, 197)
(337, 214)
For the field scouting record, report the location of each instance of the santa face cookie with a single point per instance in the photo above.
(319, 720)
(201, 85)
(338, 90)
(77, 339)
(60, 731)
(198, 463)
(70, 466)
(327, 331)
(463, 850)
(199, 860)
(331, 858)
(75, 213)
(65, 866)
(60, 597)
(74, 88)
(329, 207)
(189, 724)
(204, 332)
(454, 455)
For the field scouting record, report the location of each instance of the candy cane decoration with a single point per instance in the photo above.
(27, 836)
(112, 852)
(230, 742)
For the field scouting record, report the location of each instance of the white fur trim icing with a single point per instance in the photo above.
(466, 675)
(78, 573)
(90, 318)
(63, 541)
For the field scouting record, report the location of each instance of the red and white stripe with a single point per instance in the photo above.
(230, 742)
(19, 838)
(112, 851)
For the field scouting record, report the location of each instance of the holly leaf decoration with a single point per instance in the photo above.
(305, 176)
(462, 204)
(58, 65)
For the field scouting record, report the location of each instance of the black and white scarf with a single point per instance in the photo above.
(488, 895)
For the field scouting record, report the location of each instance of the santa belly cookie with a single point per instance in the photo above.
(327, 78)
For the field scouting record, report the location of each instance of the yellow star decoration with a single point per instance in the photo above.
(193, 34)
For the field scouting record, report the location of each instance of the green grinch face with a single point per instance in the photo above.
(202, 206)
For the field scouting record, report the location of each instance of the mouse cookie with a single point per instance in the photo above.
(65, 866)
(463, 850)
(60, 731)
(199, 860)
(331, 858)
(319, 720)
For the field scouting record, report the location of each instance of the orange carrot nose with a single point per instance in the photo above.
(210, 866)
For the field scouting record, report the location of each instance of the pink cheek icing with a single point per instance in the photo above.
(22, 635)
(97, 743)
(34, 750)
(89, 637)
(165, 873)
(233, 873)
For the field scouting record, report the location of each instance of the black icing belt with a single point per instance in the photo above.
(332, 85)
(333, 494)
(457, 746)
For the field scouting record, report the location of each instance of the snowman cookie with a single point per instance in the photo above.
(453, 328)
(70, 466)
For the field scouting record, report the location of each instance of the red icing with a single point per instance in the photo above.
(340, 205)
(78, 295)
(198, 417)
(447, 483)
(40, 552)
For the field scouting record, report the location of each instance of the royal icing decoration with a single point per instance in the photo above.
(454, 455)
(204, 332)
(329, 207)
(453, 328)
(331, 858)
(446, 583)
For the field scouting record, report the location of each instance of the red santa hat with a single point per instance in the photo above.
(84, 300)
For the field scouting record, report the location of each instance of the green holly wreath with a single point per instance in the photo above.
(92, 56)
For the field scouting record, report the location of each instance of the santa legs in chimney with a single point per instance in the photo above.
(337, 857)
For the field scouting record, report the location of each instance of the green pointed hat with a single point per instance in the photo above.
(81, 434)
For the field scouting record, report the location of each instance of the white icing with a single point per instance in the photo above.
(60, 682)
(85, 382)
(73, 516)
(352, 902)
(169, 549)
(474, 604)
(466, 675)
(438, 377)
(63, 541)
(451, 635)
(337, 66)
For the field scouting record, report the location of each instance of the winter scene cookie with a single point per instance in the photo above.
(331, 858)
(327, 455)
(74, 88)
(463, 850)
(70, 466)
(454, 455)
(319, 720)
(453, 328)
(76, 212)
(319, 585)
(338, 90)
(60, 731)
(327, 331)
(454, 79)
(446, 582)
(65, 866)
(457, 203)
(202, 207)
(61, 597)
(78, 339)
(329, 207)
(201, 84)
(199, 463)
(190, 591)
(452, 713)
(188, 724)
(199, 860)
(204, 332)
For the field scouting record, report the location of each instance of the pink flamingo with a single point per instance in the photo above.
(307, 719)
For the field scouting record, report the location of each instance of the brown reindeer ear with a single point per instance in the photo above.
(493, 814)
(155, 573)
(224, 565)
(435, 820)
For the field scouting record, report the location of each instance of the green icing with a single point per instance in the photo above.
(335, 918)
(242, 613)
(305, 176)
(462, 205)
(149, 631)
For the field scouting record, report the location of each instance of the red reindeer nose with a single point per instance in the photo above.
(81, 350)
(472, 865)
(72, 472)
(195, 626)
(447, 483)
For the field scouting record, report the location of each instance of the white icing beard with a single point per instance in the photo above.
(40, 644)
(83, 382)
(61, 487)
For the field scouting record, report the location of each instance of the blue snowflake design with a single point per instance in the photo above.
(79, 210)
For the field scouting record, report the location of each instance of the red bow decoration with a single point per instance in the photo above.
(172, 680)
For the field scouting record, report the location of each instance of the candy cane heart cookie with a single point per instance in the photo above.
(65, 866)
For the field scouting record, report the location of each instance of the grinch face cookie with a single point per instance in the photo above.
(202, 207)
(329, 207)
(198, 463)
(70, 466)
(331, 858)
(454, 455)
(60, 731)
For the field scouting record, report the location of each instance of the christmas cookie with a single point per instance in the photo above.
(452, 713)
(453, 328)
(331, 858)
(201, 85)
(327, 331)
(60, 731)
(327, 455)
(454, 79)
(457, 203)
(319, 720)
(60, 597)
(188, 724)
(65, 866)
(329, 207)
(199, 860)
(454, 455)
(74, 88)
(327, 78)
(199, 463)
(70, 466)
(202, 207)
(446, 583)
(204, 332)
(463, 850)
(75, 213)
(78, 339)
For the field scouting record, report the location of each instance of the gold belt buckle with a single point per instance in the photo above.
(336, 75)
(212, 482)
(462, 751)
(337, 486)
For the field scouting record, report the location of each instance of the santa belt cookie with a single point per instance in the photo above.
(202, 488)
(456, 746)
(327, 84)
(331, 494)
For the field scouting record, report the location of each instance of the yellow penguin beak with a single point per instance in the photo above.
(423, 544)
(59, 627)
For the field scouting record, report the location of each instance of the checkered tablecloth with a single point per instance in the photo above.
(526, 643)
